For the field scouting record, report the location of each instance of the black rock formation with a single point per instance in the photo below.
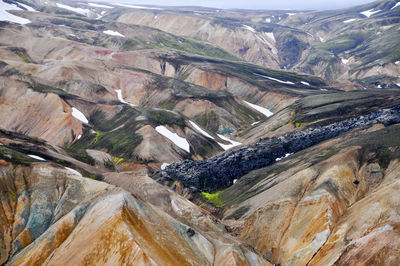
(220, 171)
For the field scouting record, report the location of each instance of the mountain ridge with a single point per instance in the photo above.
(149, 135)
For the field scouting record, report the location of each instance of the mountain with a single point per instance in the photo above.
(153, 135)
(356, 46)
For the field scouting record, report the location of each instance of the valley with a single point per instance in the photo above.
(155, 135)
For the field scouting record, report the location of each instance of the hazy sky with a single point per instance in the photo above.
(252, 4)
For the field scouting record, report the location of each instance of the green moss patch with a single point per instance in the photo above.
(213, 198)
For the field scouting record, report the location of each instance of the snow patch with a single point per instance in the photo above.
(36, 157)
(397, 62)
(274, 79)
(5, 16)
(305, 83)
(119, 95)
(79, 115)
(396, 5)
(349, 20)
(291, 14)
(225, 146)
(268, 20)
(280, 158)
(321, 39)
(247, 27)
(164, 165)
(255, 123)
(262, 110)
(78, 10)
(369, 13)
(73, 171)
(270, 35)
(138, 7)
(80, 136)
(379, 86)
(344, 60)
(113, 33)
(265, 41)
(398, 84)
(98, 5)
(175, 138)
(200, 130)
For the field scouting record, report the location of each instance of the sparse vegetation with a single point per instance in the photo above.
(21, 54)
(117, 160)
(213, 198)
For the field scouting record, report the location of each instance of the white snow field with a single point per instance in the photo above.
(79, 115)
(274, 79)
(119, 94)
(200, 130)
(261, 109)
(36, 157)
(98, 5)
(247, 27)
(370, 12)
(286, 155)
(175, 138)
(139, 7)
(113, 33)
(78, 10)
(228, 146)
(5, 16)
(349, 20)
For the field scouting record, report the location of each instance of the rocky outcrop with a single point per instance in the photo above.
(220, 171)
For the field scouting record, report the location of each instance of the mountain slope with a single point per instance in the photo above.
(181, 136)
(354, 43)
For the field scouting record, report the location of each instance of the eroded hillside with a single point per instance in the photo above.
(357, 46)
(147, 135)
